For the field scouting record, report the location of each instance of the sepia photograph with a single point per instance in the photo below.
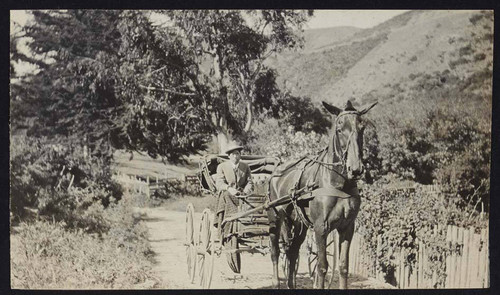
(173, 149)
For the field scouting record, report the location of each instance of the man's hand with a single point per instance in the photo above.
(232, 191)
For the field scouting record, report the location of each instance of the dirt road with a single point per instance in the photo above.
(166, 232)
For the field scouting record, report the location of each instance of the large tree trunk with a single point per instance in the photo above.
(249, 122)
(223, 140)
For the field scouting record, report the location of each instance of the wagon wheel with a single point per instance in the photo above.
(206, 248)
(190, 244)
(231, 244)
(312, 256)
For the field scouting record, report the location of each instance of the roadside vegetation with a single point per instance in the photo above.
(72, 227)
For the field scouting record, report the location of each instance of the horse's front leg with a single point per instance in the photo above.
(345, 237)
(322, 265)
(300, 232)
(274, 236)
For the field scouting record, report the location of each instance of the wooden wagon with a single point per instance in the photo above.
(249, 225)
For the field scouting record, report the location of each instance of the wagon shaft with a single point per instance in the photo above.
(280, 201)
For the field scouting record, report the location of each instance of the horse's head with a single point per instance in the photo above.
(347, 143)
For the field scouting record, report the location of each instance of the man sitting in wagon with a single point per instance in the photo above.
(233, 178)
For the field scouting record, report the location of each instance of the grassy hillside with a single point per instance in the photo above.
(322, 39)
(359, 64)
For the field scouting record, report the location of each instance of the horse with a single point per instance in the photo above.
(334, 204)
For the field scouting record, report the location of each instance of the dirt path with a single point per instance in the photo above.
(166, 231)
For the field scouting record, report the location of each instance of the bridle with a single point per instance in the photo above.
(342, 154)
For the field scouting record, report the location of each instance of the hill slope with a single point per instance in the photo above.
(359, 64)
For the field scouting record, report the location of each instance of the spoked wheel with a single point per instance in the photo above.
(206, 248)
(312, 257)
(190, 244)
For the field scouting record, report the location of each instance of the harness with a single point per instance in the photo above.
(325, 191)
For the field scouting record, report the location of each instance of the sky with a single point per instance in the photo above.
(321, 18)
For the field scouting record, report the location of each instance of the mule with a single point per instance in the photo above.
(334, 203)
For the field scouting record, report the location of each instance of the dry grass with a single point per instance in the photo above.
(45, 255)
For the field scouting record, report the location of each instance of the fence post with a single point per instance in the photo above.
(420, 261)
(465, 259)
(448, 258)
(379, 274)
(414, 272)
(396, 268)
(458, 264)
(401, 268)
(474, 260)
(486, 259)
(455, 247)
(147, 188)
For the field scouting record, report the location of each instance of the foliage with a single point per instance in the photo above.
(224, 53)
(403, 219)
(61, 182)
(96, 69)
(443, 133)
(286, 144)
(301, 114)
(146, 86)
(46, 256)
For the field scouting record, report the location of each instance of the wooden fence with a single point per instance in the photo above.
(147, 185)
(466, 267)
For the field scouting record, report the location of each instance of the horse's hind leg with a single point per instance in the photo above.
(345, 237)
(274, 237)
(299, 235)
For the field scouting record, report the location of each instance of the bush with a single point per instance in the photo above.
(61, 182)
(400, 218)
(273, 140)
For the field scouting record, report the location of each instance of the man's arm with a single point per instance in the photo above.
(220, 179)
(249, 187)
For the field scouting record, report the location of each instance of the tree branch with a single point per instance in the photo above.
(166, 90)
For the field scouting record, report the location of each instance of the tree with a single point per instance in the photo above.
(114, 78)
(226, 51)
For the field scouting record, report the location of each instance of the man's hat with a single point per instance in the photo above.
(233, 147)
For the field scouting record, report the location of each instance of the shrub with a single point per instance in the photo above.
(61, 181)
(400, 218)
(287, 144)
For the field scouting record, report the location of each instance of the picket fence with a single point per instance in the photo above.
(467, 267)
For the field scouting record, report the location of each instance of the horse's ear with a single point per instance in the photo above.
(332, 109)
(365, 110)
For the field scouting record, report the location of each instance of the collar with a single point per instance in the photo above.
(235, 166)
